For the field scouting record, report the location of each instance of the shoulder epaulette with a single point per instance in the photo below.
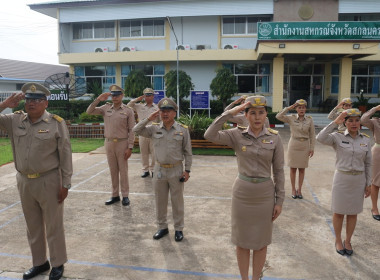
(18, 112)
(341, 131)
(365, 135)
(242, 127)
(155, 123)
(310, 117)
(57, 118)
(185, 126)
(108, 103)
(272, 130)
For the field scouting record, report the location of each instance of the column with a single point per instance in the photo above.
(278, 84)
(345, 72)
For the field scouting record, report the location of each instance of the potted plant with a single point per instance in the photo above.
(362, 102)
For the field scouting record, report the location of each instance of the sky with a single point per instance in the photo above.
(27, 35)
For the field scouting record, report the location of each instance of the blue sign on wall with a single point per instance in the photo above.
(200, 99)
(158, 95)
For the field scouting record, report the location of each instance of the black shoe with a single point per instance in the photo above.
(340, 252)
(56, 273)
(160, 233)
(376, 217)
(145, 174)
(36, 270)
(299, 196)
(294, 196)
(178, 235)
(347, 251)
(112, 200)
(125, 201)
(152, 174)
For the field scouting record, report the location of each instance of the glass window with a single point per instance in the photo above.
(159, 28)
(99, 31)
(77, 31)
(359, 69)
(159, 70)
(240, 25)
(335, 84)
(335, 69)
(86, 31)
(110, 70)
(126, 69)
(125, 29)
(95, 71)
(228, 25)
(135, 28)
(154, 72)
(245, 68)
(319, 69)
(109, 30)
(246, 84)
(147, 27)
(79, 70)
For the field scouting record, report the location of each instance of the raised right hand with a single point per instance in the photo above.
(13, 100)
(104, 96)
(153, 116)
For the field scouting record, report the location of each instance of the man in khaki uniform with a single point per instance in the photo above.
(172, 144)
(144, 110)
(345, 104)
(42, 156)
(119, 139)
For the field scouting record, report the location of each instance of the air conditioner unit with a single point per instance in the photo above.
(101, 49)
(129, 49)
(200, 47)
(183, 47)
(230, 47)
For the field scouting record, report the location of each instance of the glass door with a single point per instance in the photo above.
(316, 91)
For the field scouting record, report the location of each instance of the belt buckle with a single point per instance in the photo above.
(302, 139)
(114, 140)
(33, 176)
(254, 180)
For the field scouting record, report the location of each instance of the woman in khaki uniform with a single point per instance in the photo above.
(256, 198)
(352, 178)
(374, 125)
(301, 143)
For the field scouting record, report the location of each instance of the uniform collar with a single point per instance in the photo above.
(346, 133)
(121, 106)
(44, 117)
(249, 132)
(174, 125)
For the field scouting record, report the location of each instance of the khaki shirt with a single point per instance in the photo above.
(299, 129)
(334, 114)
(41, 146)
(373, 124)
(352, 154)
(256, 156)
(170, 146)
(143, 110)
(240, 118)
(118, 123)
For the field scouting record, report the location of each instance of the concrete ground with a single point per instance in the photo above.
(115, 242)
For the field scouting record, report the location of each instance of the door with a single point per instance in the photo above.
(316, 91)
(299, 88)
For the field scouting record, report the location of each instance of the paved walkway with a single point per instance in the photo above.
(115, 242)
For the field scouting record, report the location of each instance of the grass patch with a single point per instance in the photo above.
(85, 145)
(6, 154)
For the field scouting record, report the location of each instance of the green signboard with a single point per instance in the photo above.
(336, 30)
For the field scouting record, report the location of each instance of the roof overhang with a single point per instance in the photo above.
(318, 51)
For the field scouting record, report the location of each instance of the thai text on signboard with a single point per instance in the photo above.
(200, 99)
(337, 30)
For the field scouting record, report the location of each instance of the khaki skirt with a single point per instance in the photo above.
(251, 215)
(348, 193)
(376, 165)
(298, 153)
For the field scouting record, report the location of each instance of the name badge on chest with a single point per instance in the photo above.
(266, 141)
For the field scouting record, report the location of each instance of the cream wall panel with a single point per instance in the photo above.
(356, 7)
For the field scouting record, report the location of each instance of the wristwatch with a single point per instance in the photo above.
(68, 186)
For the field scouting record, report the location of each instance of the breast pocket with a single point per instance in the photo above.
(44, 141)
(266, 149)
(176, 141)
(157, 139)
(346, 147)
(19, 135)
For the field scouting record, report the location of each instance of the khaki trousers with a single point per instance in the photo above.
(44, 217)
(118, 166)
(169, 182)
(146, 148)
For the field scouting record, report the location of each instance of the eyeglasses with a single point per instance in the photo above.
(27, 101)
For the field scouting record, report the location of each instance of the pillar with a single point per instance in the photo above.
(345, 72)
(278, 84)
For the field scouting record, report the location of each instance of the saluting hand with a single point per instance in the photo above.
(311, 153)
(154, 115)
(13, 100)
(234, 111)
(294, 106)
(63, 192)
(340, 118)
(104, 96)
(377, 108)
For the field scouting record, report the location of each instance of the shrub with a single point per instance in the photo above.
(84, 117)
(197, 124)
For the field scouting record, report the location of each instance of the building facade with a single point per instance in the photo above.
(283, 49)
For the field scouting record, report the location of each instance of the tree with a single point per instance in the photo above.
(135, 83)
(224, 85)
(185, 84)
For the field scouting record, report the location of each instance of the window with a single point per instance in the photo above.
(365, 77)
(89, 30)
(141, 28)
(334, 78)
(102, 75)
(155, 72)
(359, 17)
(242, 25)
(251, 78)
